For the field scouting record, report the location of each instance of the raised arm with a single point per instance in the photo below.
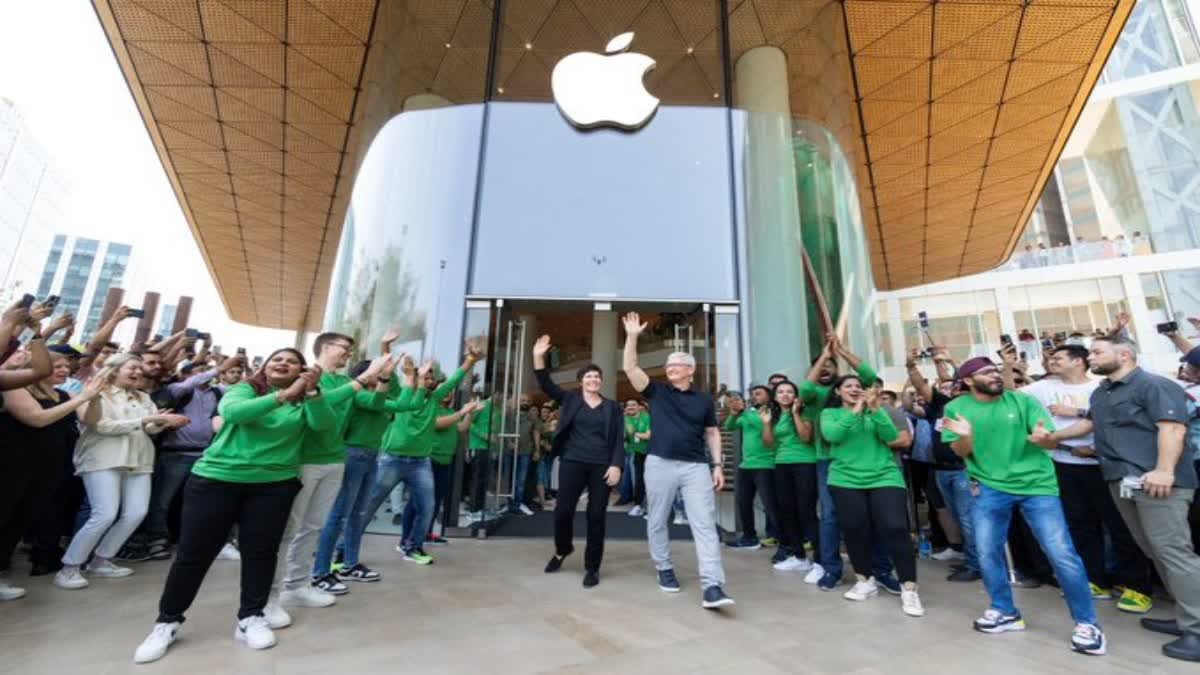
(638, 379)
(944, 363)
(37, 369)
(548, 386)
(103, 336)
(814, 373)
(21, 405)
(920, 384)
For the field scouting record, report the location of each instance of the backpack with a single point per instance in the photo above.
(922, 447)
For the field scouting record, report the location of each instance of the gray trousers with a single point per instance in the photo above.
(665, 477)
(1160, 527)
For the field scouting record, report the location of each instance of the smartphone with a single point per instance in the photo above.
(923, 320)
(137, 313)
(1168, 327)
(191, 333)
(26, 301)
(1006, 340)
(241, 350)
(204, 336)
(1048, 344)
(51, 302)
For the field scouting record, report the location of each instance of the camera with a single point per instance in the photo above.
(26, 301)
(137, 313)
(1168, 327)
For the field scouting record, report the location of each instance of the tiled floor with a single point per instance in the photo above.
(486, 607)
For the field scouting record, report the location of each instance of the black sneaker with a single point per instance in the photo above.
(667, 581)
(556, 562)
(159, 550)
(745, 543)
(132, 553)
(330, 584)
(361, 573)
(782, 553)
(715, 598)
(964, 575)
(591, 578)
(42, 569)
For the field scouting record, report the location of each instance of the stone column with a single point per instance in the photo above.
(606, 349)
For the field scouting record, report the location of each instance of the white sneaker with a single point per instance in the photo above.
(910, 603)
(680, 519)
(105, 569)
(8, 591)
(70, 579)
(525, 510)
(254, 631)
(815, 574)
(154, 647)
(277, 617)
(790, 564)
(229, 552)
(306, 596)
(636, 511)
(948, 554)
(862, 589)
(805, 565)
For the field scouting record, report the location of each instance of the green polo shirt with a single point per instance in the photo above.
(410, 433)
(755, 453)
(638, 424)
(445, 441)
(327, 446)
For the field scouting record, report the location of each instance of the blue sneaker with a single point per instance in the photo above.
(745, 543)
(889, 583)
(829, 582)
(667, 581)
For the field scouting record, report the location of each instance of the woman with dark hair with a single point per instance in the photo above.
(589, 443)
(868, 488)
(795, 477)
(248, 476)
(755, 474)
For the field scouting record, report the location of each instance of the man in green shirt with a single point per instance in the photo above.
(637, 441)
(447, 425)
(1010, 471)
(479, 449)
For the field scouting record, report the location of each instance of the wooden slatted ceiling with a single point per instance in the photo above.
(953, 113)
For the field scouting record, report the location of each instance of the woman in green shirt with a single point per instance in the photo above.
(795, 478)
(868, 488)
(755, 474)
(248, 476)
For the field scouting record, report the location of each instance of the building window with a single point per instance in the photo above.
(967, 324)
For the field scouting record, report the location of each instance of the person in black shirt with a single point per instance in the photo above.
(590, 446)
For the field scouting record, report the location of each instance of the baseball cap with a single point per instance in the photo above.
(1192, 358)
(972, 366)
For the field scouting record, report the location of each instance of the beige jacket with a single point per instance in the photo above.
(121, 438)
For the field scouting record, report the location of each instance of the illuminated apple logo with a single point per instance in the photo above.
(594, 90)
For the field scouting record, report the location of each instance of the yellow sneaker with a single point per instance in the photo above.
(1135, 603)
(1099, 593)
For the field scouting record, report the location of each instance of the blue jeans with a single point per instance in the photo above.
(441, 487)
(171, 471)
(1044, 515)
(356, 488)
(830, 538)
(956, 490)
(391, 470)
(625, 491)
(545, 471)
(522, 472)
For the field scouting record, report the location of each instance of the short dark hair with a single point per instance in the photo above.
(325, 338)
(1077, 352)
(781, 377)
(589, 368)
(111, 345)
(889, 392)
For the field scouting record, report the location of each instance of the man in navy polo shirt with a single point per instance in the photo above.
(684, 456)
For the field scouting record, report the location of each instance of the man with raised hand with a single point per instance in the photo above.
(684, 456)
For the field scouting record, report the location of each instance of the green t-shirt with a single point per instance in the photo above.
(328, 446)
(638, 424)
(789, 449)
(814, 396)
(1004, 459)
(858, 446)
(445, 441)
(261, 438)
(755, 453)
(368, 420)
(411, 432)
(480, 434)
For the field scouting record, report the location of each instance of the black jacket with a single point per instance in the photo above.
(569, 406)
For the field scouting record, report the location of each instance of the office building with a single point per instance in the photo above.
(80, 271)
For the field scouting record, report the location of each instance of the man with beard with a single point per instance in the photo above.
(1009, 471)
(1139, 421)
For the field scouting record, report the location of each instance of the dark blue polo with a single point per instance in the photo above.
(1126, 414)
(678, 419)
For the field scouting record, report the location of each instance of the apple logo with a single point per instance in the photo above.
(594, 90)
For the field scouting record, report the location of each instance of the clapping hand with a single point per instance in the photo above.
(958, 426)
(1042, 437)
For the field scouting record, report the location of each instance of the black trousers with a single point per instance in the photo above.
(1090, 510)
(573, 478)
(29, 480)
(210, 509)
(1194, 514)
(876, 514)
(796, 503)
(639, 479)
(751, 483)
(481, 472)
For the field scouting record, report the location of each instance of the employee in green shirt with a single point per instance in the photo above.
(248, 476)
(795, 478)
(447, 425)
(868, 488)
(756, 473)
(407, 444)
(479, 449)
(1011, 471)
(637, 441)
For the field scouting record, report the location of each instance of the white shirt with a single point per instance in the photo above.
(119, 440)
(1052, 390)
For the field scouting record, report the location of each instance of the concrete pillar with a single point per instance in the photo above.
(145, 325)
(112, 301)
(606, 348)
(775, 296)
(183, 314)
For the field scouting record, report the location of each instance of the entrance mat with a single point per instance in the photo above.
(541, 524)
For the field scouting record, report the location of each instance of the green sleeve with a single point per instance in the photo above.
(239, 405)
(885, 429)
(319, 414)
(868, 374)
(732, 422)
(369, 399)
(836, 424)
(809, 392)
(449, 385)
(414, 400)
(949, 413)
(339, 395)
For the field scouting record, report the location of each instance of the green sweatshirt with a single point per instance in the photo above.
(789, 449)
(261, 438)
(814, 396)
(367, 421)
(411, 432)
(327, 445)
(638, 424)
(755, 453)
(858, 446)
(481, 428)
(445, 441)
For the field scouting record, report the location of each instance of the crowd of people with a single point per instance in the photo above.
(170, 450)
(1040, 254)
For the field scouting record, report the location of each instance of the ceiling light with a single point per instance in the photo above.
(528, 45)
(447, 45)
(691, 49)
(499, 90)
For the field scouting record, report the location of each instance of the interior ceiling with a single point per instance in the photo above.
(952, 113)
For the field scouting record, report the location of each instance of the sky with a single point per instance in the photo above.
(56, 65)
